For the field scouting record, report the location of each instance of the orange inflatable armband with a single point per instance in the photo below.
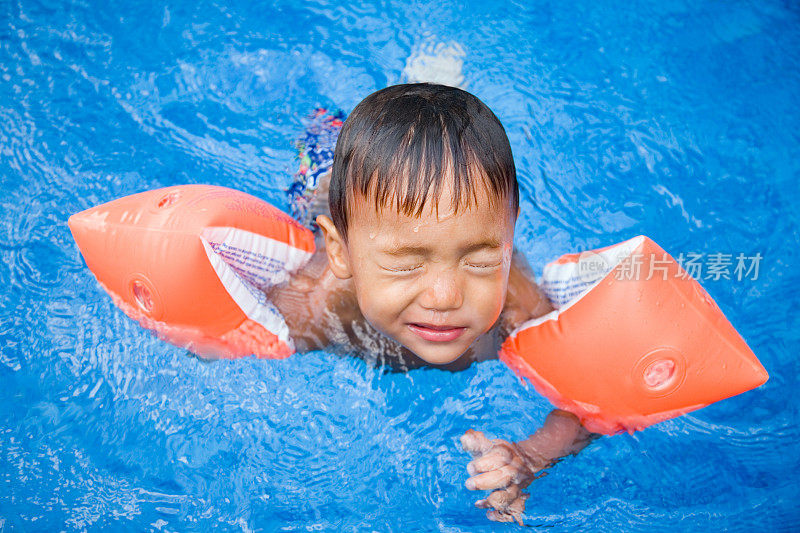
(191, 263)
(634, 340)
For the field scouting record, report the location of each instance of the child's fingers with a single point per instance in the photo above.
(511, 512)
(518, 505)
(497, 516)
(475, 442)
(497, 458)
(501, 499)
(496, 479)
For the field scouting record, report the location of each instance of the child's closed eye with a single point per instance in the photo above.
(484, 265)
(403, 268)
(484, 261)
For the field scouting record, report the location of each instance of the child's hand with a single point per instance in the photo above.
(506, 469)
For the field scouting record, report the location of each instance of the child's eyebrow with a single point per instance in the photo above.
(491, 243)
(406, 250)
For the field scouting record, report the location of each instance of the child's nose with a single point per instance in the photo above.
(443, 292)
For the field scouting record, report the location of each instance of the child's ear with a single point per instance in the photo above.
(335, 247)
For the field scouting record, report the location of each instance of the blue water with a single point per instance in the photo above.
(675, 120)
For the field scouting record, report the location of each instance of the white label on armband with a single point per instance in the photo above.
(566, 283)
(261, 261)
(246, 264)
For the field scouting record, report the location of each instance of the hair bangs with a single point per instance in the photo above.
(405, 146)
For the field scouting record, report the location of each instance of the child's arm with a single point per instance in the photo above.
(506, 467)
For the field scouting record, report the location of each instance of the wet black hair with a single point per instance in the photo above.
(402, 141)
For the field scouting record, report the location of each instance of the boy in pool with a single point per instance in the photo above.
(418, 265)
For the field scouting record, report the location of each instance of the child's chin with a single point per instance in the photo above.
(439, 358)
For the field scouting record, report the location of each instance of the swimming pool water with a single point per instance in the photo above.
(673, 119)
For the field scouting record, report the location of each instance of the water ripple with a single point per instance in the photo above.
(669, 119)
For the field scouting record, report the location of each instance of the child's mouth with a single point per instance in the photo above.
(432, 333)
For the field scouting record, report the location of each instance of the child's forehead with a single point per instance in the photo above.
(435, 205)
(386, 230)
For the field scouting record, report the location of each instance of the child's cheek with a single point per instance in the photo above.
(382, 299)
(488, 297)
(508, 252)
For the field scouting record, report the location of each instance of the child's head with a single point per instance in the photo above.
(423, 200)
